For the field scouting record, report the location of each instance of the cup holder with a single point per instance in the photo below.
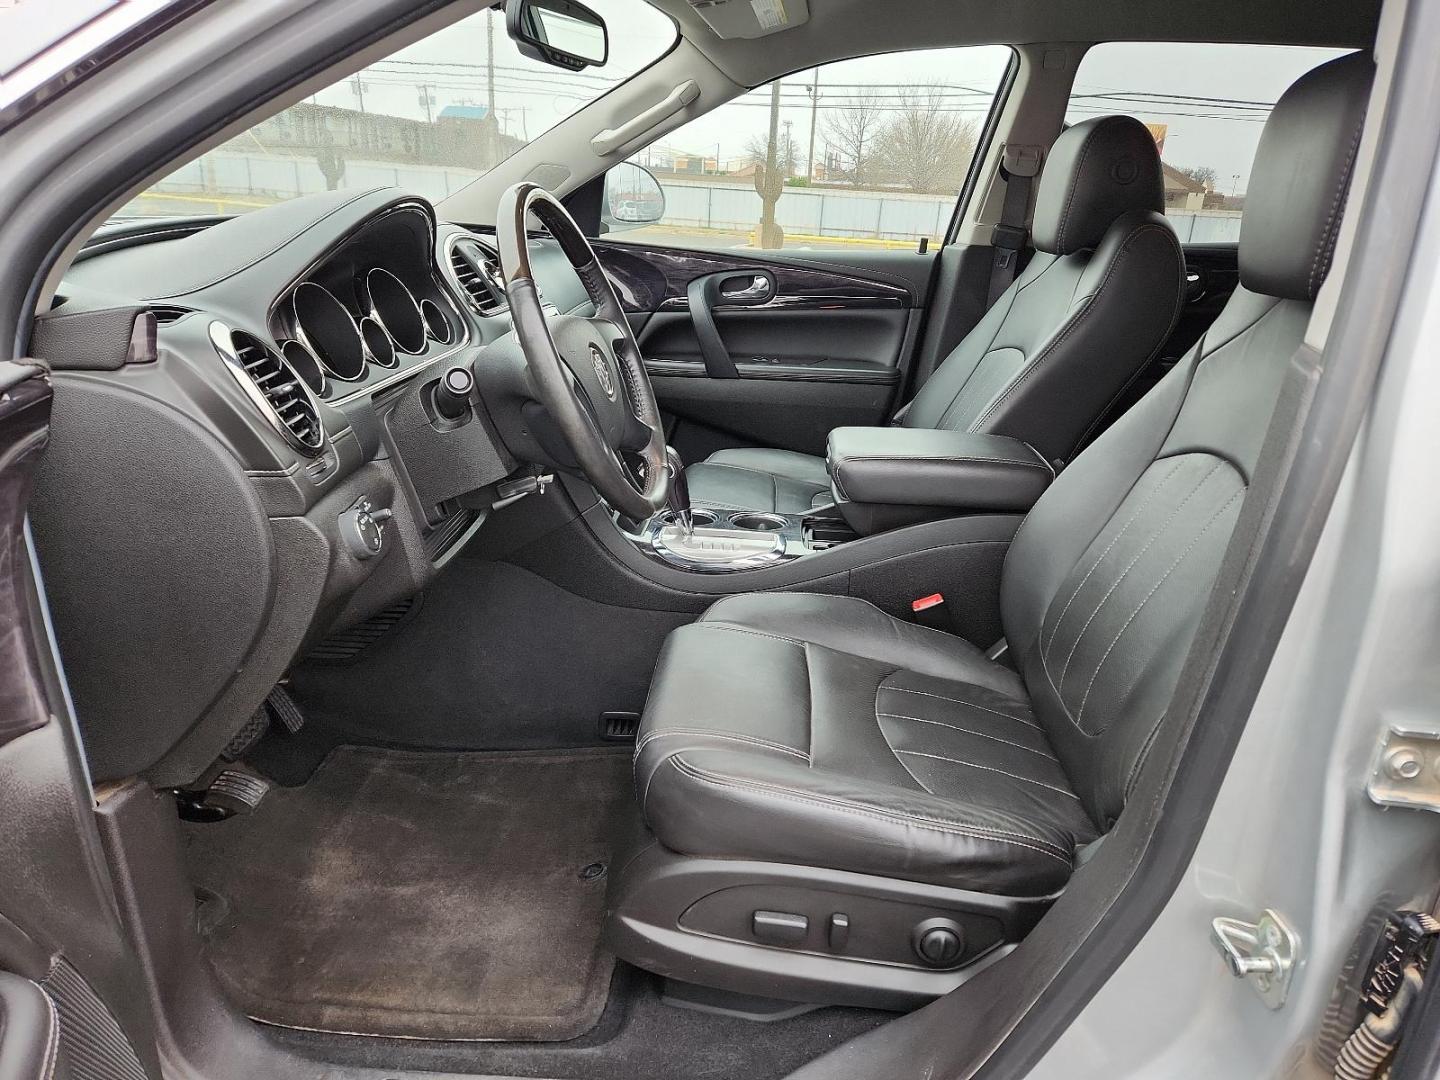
(699, 518)
(758, 522)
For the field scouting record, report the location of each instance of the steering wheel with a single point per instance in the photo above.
(587, 370)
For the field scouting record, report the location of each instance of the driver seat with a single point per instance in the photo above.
(817, 731)
(1089, 311)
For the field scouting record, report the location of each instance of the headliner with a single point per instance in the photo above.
(839, 29)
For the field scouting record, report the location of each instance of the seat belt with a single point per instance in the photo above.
(1019, 166)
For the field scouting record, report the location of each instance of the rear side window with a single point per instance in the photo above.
(1206, 105)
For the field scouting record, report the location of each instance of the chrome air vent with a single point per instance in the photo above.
(477, 272)
(273, 386)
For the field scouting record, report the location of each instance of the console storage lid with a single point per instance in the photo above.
(884, 477)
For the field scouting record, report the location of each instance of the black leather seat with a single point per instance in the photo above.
(817, 730)
(1093, 306)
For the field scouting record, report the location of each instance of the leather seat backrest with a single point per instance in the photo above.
(1096, 302)
(1108, 577)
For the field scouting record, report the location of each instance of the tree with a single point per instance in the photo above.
(1201, 174)
(926, 145)
(757, 152)
(851, 132)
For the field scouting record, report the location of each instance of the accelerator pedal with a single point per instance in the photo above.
(284, 711)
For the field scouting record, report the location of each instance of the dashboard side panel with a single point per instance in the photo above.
(159, 562)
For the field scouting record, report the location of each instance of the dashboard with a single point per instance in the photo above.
(254, 449)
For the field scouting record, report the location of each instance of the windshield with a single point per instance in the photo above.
(429, 119)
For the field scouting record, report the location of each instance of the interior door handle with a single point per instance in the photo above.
(742, 287)
(734, 290)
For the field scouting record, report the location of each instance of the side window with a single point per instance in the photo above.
(1206, 105)
(869, 152)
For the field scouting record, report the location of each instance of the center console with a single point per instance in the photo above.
(881, 479)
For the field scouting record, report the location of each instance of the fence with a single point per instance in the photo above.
(712, 205)
(837, 213)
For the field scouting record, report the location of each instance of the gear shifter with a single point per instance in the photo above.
(677, 501)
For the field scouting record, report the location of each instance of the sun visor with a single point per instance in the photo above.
(751, 18)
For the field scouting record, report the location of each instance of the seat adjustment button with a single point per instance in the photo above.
(779, 927)
(939, 942)
(839, 932)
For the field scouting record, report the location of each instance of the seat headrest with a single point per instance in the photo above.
(1098, 169)
(1301, 174)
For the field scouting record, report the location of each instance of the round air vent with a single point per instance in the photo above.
(273, 385)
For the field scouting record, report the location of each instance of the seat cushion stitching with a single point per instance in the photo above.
(967, 704)
(1074, 648)
(988, 768)
(767, 744)
(970, 731)
(809, 707)
(734, 629)
(980, 832)
(1080, 713)
(1164, 481)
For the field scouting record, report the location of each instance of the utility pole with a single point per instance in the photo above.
(769, 184)
(359, 88)
(789, 148)
(490, 85)
(814, 89)
(427, 99)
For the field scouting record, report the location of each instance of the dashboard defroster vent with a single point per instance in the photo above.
(477, 272)
(273, 386)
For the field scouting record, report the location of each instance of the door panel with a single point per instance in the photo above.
(781, 350)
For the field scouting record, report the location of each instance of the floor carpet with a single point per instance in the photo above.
(447, 896)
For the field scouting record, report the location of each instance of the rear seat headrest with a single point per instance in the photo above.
(1301, 175)
(1097, 170)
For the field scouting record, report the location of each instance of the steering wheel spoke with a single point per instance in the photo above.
(589, 373)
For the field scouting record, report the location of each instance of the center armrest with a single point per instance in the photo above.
(884, 477)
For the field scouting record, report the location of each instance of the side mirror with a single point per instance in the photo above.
(563, 33)
(633, 198)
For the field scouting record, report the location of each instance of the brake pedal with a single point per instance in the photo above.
(233, 791)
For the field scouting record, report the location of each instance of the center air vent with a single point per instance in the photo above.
(273, 386)
(477, 272)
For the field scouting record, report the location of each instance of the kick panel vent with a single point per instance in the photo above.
(477, 272)
(274, 387)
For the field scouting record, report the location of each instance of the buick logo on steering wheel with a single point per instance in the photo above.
(602, 372)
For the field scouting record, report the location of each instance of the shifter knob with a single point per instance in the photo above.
(677, 500)
(452, 392)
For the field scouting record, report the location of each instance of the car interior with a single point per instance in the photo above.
(517, 631)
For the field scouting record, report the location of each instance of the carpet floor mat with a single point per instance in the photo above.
(451, 896)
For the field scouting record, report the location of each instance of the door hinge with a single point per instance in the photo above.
(1407, 769)
(1263, 953)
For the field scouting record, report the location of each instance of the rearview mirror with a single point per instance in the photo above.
(560, 32)
(633, 198)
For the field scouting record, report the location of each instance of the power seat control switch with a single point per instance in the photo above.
(362, 528)
(779, 927)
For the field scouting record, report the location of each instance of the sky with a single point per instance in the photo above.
(1213, 98)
